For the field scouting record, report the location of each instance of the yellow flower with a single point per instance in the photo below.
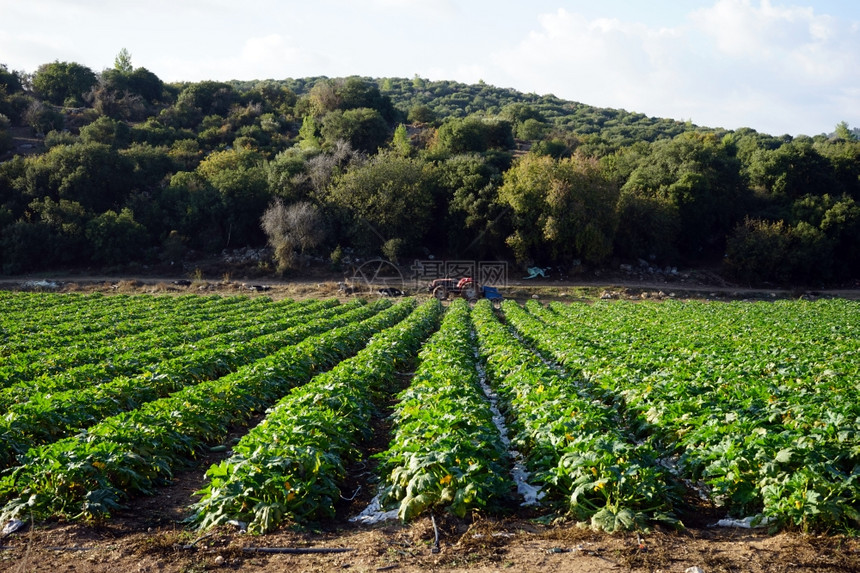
(446, 480)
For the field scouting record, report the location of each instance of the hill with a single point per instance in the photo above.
(122, 171)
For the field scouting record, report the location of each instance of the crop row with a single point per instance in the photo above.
(91, 474)
(446, 451)
(136, 355)
(293, 464)
(45, 417)
(574, 444)
(88, 320)
(133, 341)
(752, 401)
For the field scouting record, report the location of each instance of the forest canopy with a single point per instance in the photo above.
(133, 170)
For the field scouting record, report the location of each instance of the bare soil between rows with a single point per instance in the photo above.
(150, 534)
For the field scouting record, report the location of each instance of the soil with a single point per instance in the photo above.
(149, 535)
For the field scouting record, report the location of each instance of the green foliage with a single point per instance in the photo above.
(648, 228)
(10, 81)
(445, 452)
(473, 134)
(363, 128)
(565, 208)
(844, 132)
(116, 238)
(476, 223)
(388, 197)
(63, 83)
(122, 62)
(43, 119)
(792, 170)
(685, 188)
(108, 131)
(773, 251)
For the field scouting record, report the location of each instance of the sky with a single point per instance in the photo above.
(776, 66)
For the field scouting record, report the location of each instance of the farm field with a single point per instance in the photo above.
(178, 432)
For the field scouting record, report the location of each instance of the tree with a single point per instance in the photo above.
(211, 98)
(699, 176)
(116, 238)
(356, 93)
(108, 131)
(10, 81)
(476, 222)
(562, 209)
(388, 197)
(363, 128)
(240, 179)
(648, 227)
(146, 84)
(759, 251)
(291, 231)
(400, 142)
(92, 174)
(122, 62)
(791, 171)
(473, 134)
(64, 83)
(844, 132)
(287, 175)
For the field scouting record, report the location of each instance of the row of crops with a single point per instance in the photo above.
(616, 414)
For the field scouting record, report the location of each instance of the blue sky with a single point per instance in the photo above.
(777, 66)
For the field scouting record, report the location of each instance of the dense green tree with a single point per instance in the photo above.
(792, 170)
(210, 97)
(844, 132)
(562, 209)
(116, 238)
(356, 93)
(25, 246)
(150, 165)
(287, 175)
(759, 251)
(421, 114)
(239, 177)
(387, 198)
(363, 128)
(92, 174)
(844, 157)
(10, 81)
(648, 228)
(476, 224)
(473, 134)
(67, 222)
(699, 176)
(63, 83)
(108, 131)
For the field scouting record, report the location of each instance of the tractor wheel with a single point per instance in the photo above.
(440, 292)
(471, 295)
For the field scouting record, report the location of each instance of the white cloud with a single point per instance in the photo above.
(736, 63)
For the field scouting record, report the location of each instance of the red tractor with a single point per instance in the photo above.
(443, 288)
(465, 287)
